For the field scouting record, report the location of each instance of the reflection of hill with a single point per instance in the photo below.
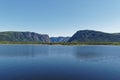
(86, 52)
(23, 50)
(86, 55)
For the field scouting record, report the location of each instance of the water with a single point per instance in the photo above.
(43, 62)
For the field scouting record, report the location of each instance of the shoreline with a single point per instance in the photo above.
(65, 43)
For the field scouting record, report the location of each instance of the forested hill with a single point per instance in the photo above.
(94, 36)
(79, 36)
(23, 37)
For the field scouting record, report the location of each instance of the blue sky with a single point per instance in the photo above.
(59, 17)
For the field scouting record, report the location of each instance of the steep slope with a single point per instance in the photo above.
(94, 36)
(59, 39)
(23, 37)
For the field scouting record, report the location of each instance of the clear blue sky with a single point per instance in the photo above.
(59, 17)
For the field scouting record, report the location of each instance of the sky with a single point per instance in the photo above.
(59, 17)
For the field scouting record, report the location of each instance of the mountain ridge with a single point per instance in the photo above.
(94, 36)
(79, 36)
(18, 36)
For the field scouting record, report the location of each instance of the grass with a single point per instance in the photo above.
(64, 43)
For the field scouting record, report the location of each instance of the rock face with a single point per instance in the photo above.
(94, 36)
(23, 37)
(59, 39)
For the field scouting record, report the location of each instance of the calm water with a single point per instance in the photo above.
(43, 62)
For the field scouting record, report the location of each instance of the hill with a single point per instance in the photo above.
(94, 36)
(23, 37)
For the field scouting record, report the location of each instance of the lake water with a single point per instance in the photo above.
(44, 62)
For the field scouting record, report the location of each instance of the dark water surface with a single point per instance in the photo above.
(43, 62)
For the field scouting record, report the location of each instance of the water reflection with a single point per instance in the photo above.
(86, 55)
(59, 62)
(23, 50)
(81, 52)
(97, 53)
(86, 52)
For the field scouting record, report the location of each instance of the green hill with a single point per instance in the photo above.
(94, 36)
(23, 37)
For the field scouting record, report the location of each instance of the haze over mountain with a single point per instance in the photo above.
(59, 39)
(94, 36)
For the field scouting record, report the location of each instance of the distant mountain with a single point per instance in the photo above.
(59, 39)
(23, 37)
(94, 36)
(79, 36)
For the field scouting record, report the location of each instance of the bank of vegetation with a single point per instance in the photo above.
(64, 43)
